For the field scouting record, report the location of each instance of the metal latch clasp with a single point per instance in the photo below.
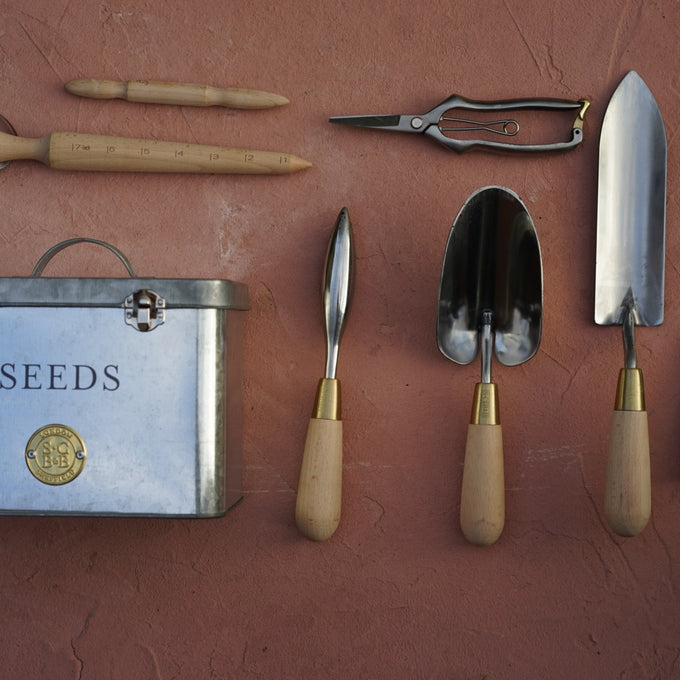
(144, 310)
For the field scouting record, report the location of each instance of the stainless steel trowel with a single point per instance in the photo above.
(490, 299)
(319, 496)
(631, 218)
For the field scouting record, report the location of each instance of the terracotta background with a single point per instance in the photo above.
(397, 592)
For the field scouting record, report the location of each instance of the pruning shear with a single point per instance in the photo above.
(436, 124)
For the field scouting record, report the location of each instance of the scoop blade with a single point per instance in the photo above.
(492, 263)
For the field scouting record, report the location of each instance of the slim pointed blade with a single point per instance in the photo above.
(385, 122)
(338, 286)
(631, 210)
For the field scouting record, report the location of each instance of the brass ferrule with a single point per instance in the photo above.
(630, 391)
(578, 123)
(485, 405)
(327, 402)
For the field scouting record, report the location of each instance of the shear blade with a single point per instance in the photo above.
(368, 121)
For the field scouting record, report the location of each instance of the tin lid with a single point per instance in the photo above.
(101, 292)
(39, 291)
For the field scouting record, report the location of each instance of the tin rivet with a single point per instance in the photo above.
(30, 454)
(80, 455)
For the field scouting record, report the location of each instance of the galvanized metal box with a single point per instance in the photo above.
(120, 396)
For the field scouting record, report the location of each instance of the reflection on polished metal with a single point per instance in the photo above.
(338, 283)
(631, 210)
(492, 270)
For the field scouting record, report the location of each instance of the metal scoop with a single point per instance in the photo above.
(491, 297)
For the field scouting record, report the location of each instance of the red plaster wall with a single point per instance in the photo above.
(397, 592)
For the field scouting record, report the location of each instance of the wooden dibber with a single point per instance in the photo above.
(180, 94)
(77, 151)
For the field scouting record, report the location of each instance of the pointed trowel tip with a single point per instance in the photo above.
(631, 77)
(343, 223)
(341, 249)
(345, 235)
(338, 286)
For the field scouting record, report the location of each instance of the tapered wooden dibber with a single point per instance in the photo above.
(180, 94)
(77, 151)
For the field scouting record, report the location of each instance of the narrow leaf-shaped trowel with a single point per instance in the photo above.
(317, 511)
(629, 287)
(491, 297)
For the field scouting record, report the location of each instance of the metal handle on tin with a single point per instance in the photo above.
(42, 262)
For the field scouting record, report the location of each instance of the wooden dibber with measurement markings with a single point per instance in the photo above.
(77, 151)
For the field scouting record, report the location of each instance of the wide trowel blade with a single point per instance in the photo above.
(492, 263)
(631, 211)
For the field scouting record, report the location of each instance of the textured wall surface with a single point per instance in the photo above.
(397, 592)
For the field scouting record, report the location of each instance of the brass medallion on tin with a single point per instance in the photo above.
(55, 454)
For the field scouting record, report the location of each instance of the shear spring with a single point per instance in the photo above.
(507, 127)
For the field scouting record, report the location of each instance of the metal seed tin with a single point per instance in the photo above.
(120, 396)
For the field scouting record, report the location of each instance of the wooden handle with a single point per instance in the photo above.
(628, 496)
(628, 492)
(180, 94)
(76, 151)
(482, 506)
(319, 496)
(482, 503)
